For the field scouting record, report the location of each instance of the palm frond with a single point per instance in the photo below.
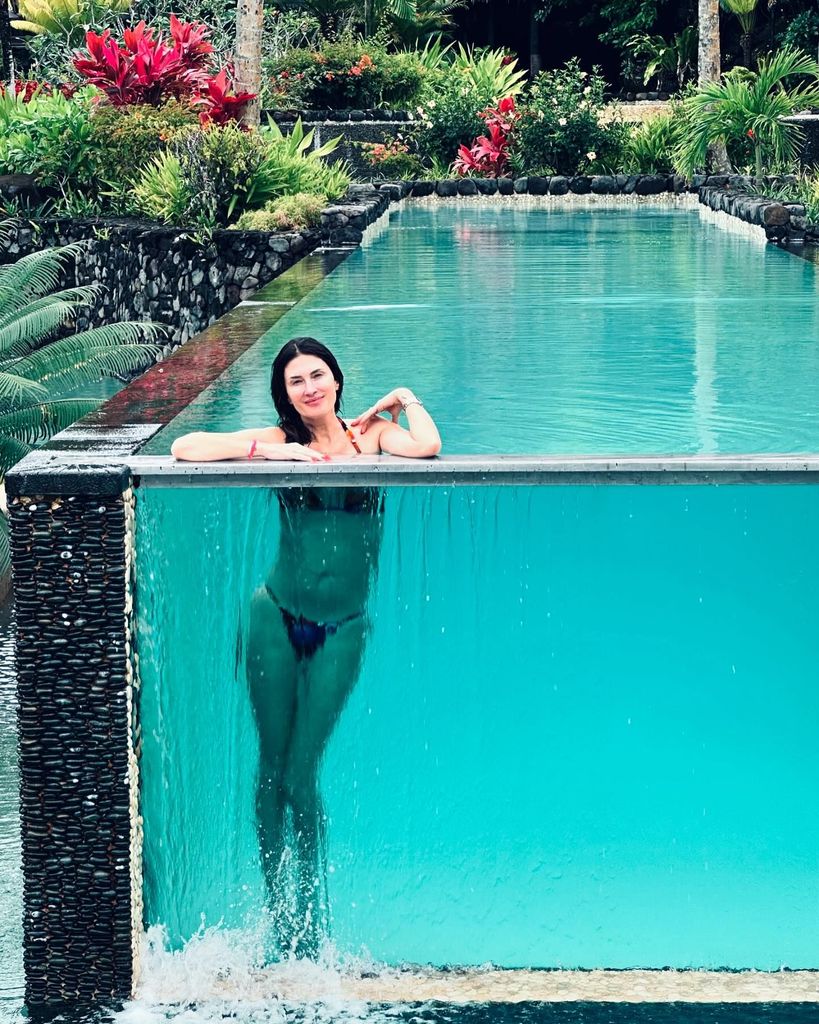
(16, 389)
(115, 344)
(11, 451)
(29, 328)
(34, 275)
(34, 423)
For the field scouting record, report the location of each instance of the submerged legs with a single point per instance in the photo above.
(297, 704)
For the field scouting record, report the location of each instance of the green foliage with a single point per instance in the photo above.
(559, 130)
(432, 17)
(302, 210)
(457, 87)
(347, 73)
(125, 139)
(67, 20)
(649, 147)
(802, 31)
(676, 60)
(804, 189)
(392, 159)
(208, 179)
(490, 71)
(50, 137)
(38, 374)
(744, 10)
(746, 108)
(448, 115)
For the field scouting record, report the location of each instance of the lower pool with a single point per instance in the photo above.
(576, 727)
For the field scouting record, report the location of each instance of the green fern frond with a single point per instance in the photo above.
(11, 451)
(117, 347)
(30, 328)
(36, 422)
(16, 389)
(34, 275)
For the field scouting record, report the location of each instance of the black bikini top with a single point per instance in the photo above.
(332, 499)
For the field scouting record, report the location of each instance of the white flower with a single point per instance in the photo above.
(420, 110)
(561, 121)
(584, 74)
(587, 90)
(591, 155)
(554, 101)
(431, 104)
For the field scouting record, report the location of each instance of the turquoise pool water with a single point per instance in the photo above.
(582, 734)
(533, 329)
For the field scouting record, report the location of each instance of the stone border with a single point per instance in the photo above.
(784, 223)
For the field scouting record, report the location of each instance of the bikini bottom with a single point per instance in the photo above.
(305, 636)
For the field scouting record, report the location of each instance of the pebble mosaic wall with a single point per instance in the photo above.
(78, 783)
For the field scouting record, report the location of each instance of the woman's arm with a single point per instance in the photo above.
(213, 447)
(420, 441)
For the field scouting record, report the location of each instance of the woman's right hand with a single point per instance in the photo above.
(290, 451)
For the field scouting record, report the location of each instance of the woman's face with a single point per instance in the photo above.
(311, 387)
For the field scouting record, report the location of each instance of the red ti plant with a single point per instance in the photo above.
(152, 68)
(488, 156)
(218, 102)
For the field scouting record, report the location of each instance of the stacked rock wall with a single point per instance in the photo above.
(76, 766)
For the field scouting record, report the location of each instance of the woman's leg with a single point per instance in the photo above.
(327, 681)
(272, 673)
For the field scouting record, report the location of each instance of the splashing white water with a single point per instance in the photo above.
(221, 973)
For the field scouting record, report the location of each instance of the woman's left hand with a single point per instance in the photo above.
(392, 403)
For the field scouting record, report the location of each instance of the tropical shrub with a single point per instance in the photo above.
(344, 74)
(391, 159)
(49, 136)
(488, 156)
(649, 147)
(560, 131)
(38, 374)
(68, 20)
(209, 178)
(149, 67)
(672, 62)
(449, 115)
(744, 110)
(302, 210)
(125, 139)
(493, 72)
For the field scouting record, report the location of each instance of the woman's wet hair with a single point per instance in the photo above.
(294, 427)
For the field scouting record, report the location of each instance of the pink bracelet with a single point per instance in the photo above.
(252, 449)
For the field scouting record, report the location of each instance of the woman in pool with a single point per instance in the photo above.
(308, 622)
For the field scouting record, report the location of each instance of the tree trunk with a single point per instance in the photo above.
(534, 43)
(5, 41)
(708, 68)
(249, 22)
(747, 56)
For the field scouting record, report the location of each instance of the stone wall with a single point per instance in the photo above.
(146, 272)
(784, 223)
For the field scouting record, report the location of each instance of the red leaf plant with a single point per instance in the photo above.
(152, 68)
(28, 88)
(488, 156)
(218, 102)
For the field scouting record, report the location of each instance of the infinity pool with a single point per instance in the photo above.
(530, 328)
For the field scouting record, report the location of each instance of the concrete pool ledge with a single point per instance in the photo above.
(56, 472)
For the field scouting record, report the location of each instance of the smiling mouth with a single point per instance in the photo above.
(312, 401)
